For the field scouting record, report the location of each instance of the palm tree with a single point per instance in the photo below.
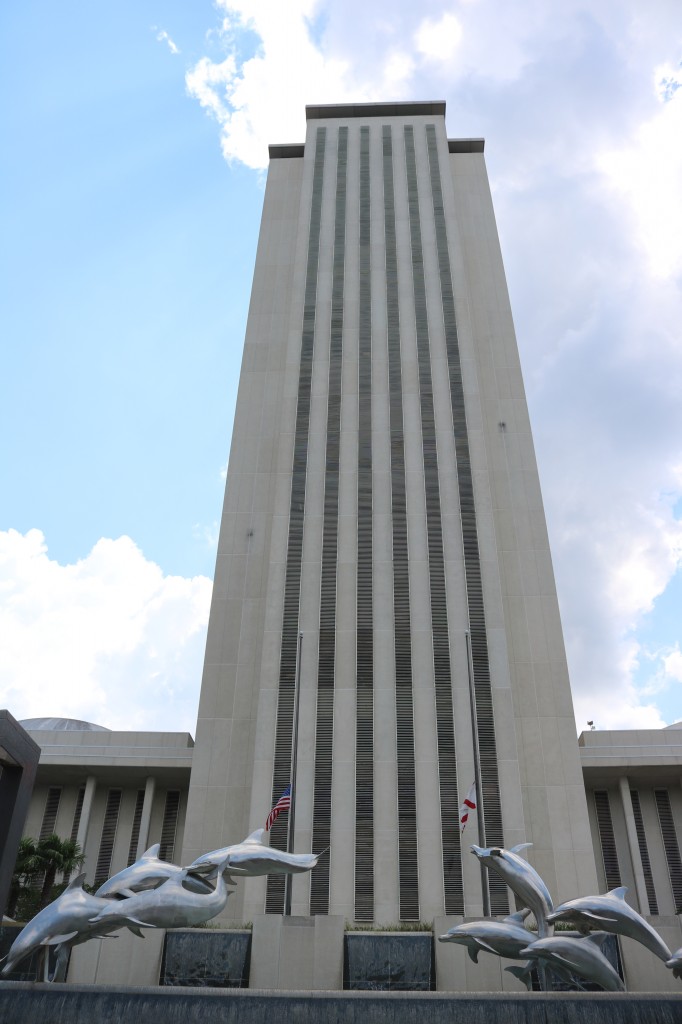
(26, 867)
(56, 855)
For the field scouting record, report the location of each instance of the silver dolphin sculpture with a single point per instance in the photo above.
(525, 973)
(148, 873)
(675, 963)
(503, 938)
(169, 906)
(610, 913)
(579, 956)
(521, 878)
(67, 920)
(252, 857)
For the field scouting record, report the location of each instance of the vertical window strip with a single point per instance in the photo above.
(408, 871)
(75, 825)
(364, 757)
(485, 724)
(106, 846)
(607, 839)
(169, 827)
(281, 776)
(324, 735)
(670, 845)
(644, 853)
(49, 822)
(77, 815)
(447, 764)
(135, 832)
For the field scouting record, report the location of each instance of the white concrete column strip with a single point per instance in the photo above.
(633, 844)
(149, 791)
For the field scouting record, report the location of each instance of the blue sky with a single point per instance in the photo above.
(135, 142)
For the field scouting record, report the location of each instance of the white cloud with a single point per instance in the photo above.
(646, 172)
(163, 37)
(672, 664)
(439, 39)
(110, 638)
(207, 533)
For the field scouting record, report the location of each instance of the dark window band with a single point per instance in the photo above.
(281, 775)
(447, 763)
(324, 735)
(607, 839)
(408, 872)
(485, 724)
(364, 747)
(670, 845)
(644, 854)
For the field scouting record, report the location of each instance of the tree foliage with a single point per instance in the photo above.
(35, 873)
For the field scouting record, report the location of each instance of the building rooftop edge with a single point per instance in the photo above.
(399, 109)
(286, 150)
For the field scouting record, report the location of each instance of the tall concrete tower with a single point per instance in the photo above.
(383, 500)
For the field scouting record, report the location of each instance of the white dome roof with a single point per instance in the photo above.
(61, 724)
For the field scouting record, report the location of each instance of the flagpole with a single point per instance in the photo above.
(294, 757)
(480, 811)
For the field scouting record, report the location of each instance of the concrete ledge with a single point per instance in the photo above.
(24, 1003)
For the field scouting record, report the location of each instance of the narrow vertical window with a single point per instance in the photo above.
(106, 846)
(77, 814)
(49, 822)
(670, 845)
(169, 827)
(447, 763)
(281, 776)
(326, 668)
(607, 839)
(364, 757)
(408, 870)
(644, 853)
(135, 831)
(485, 722)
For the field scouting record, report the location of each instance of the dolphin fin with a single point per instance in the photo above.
(140, 924)
(523, 974)
(484, 945)
(473, 952)
(595, 917)
(127, 893)
(618, 893)
(135, 930)
(255, 837)
(520, 846)
(76, 883)
(519, 917)
(54, 940)
(153, 851)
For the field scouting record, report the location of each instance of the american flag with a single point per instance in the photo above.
(468, 805)
(283, 804)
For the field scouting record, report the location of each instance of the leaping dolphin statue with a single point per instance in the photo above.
(67, 920)
(148, 873)
(579, 956)
(521, 878)
(252, 857)
(610, 913)
(169, 906)
(503, 938)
